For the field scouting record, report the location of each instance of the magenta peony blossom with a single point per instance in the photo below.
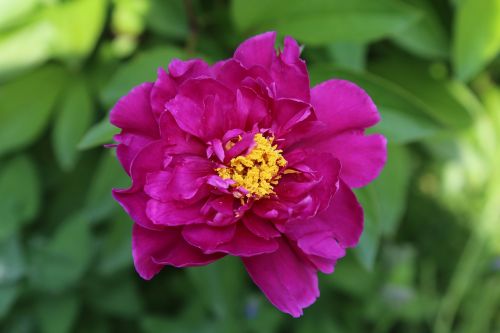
(243, 158)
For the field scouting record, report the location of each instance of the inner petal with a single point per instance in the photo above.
(256, 173)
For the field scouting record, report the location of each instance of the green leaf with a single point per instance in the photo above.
(13, 11)
(393, 102)
(400, 128)
(71, 123)
(220, 287)
(98, 135)
(20, 193)
(349, 55)
(141, 68)
(426, 37)
(317, 22)
(67, 31)
(8, 295)
(57, 314)
(109, 174)
(391, 188)
(115, 254)
(12, 264)
(439, 96)
(78, 25)
(27, 46)
(368, 246)
(61, 261)
(476, 36)
(26, 106)
(117, 296)
(168, 18)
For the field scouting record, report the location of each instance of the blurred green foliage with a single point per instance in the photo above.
(429, 260)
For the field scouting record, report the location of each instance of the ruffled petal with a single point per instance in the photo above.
(164, 89)
(133, 113)
(204, 108)
(246, 244)
(183, 179)
(260, 227)
(362, 156)
(178, 140)
(289, 73)
(288, 280)
(257, 51)
(181, 70)
(134, 200)
(343, 106)
(129, 145)
(207, 237)
(342, 221)
(287, 113)
(172, 213)
(152, 250)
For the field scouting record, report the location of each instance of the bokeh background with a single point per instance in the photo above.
(429, 259)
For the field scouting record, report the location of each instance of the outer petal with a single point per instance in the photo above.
(184, 179)
(133, 113)
(173, 213)
(288, 281)
(343, 221)
(207, 237)
(164, 89)
(362, 157)
(246, 244)
(129, 145)
(204, 108)
(342, 105)
(257, 51)
(154, 249)
(290, 73)
(260, 227)
(182, 71)
(289, 113)
(134, 200)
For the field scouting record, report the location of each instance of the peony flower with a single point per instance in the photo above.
(242, 158)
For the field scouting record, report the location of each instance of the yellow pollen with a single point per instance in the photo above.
(257, 172)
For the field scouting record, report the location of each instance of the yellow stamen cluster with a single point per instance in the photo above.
(258, 171)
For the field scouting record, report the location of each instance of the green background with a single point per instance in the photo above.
(429, 259)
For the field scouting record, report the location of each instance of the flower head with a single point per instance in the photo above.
(242, 158)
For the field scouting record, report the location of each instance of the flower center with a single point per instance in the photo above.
(258, 171)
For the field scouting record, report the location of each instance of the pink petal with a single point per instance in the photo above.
(343, 106)
(129, 145)
(134, 200)
(343, 221)
(182, 71)
(287, 113)
(362, 157)
(173, 213)
(289, 73)
(207, 237)
(288, 280)
(260, 227)
(184, 179)
(132, 112)
(250, 108)
(164, 89)
(179, 141)
(134, 204)
(152, 250)
(204, 108)
(257, 51)
(246, 244)
(291, 51)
